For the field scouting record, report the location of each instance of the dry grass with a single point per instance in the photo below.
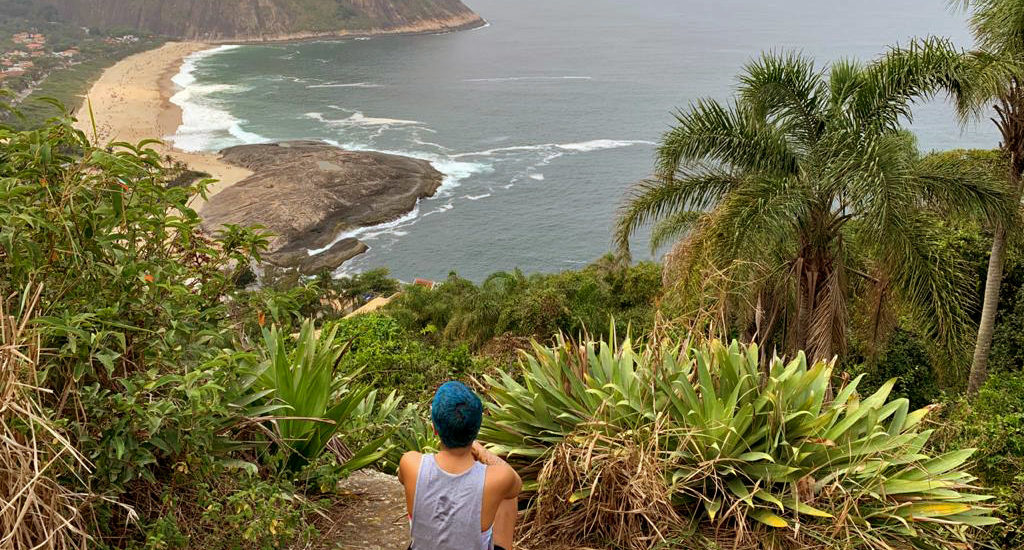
(602, 491)
(37, 512)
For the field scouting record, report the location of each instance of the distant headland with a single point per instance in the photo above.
(270, 20)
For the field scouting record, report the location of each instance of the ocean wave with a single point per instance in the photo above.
(370, 231)
(537, 177)
(531, 78)
(454, 171)
(601, 144)
(204, 124)
(347, 85)
(359, 119)
(477, 197)
(581, 147)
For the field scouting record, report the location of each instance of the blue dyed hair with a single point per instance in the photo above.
(457, 413)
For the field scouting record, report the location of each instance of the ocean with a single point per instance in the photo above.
(541, 120)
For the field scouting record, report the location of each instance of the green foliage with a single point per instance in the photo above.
(316, 402)
(538, 305)
(231, 514)
(908, 361)
(805, 183)
(359, 287)
(993, 422)
(131, 292)
(765, 451)
(386, 357)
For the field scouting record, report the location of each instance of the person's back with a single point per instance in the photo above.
(464, 497)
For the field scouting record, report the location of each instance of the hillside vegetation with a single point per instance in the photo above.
(267, 19)
(794, 376)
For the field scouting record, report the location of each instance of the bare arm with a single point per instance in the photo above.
(488, 458)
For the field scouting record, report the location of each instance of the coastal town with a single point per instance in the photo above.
(39, 59)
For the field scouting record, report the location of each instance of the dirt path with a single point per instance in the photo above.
(370, 516)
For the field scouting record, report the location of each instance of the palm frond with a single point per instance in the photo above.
(955, 183)
(891, 84)
(930, 279)
(656, 198)
(786, 89)
(732, 135)
(673, 227)
(988, 77)
(997, 25)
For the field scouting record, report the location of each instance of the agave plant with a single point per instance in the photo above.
(317, 401)
(761, 451)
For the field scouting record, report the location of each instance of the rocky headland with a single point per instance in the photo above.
(268, 20)
(307, 193)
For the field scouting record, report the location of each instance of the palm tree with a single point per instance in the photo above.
(804, 187)
(993, 75)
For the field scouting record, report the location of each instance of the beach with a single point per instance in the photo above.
(131, 102)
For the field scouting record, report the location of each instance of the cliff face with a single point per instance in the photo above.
(224, 20)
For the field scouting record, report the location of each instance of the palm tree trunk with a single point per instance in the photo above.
(987, 325)
(993, 283)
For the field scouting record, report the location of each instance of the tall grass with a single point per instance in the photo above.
(37, 511)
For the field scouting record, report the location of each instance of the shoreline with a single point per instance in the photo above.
(468, 22)
(131, 100)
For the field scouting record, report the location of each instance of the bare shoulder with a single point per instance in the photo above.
(503, 478)
(409, 465)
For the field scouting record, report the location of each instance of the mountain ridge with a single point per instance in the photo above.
(268, 20)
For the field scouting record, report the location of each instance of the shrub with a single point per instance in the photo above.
(759, 452)
(315, 401)
(540, 305)
(231, 512)
(384, 356)
(131, 308)
(907, 360)
(994, 423)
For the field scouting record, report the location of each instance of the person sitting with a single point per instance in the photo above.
(464, 497)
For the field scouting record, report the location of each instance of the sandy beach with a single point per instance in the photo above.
(131, 102)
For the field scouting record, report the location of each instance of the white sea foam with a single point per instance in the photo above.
(601, 144)
(359, 119)
(521, 78)
(370, 231)
(454, 172)
(347, 85)
(477, 197)
(557, 149)
(538, 177)
(203, 122)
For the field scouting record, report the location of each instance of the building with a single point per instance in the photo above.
(29, 38)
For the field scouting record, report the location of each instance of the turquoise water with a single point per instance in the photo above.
(540, 120)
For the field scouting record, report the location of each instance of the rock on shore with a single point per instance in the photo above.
(306, 193)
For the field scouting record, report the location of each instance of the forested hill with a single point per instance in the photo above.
(267, 19)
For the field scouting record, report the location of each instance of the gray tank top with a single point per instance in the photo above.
(447, 507)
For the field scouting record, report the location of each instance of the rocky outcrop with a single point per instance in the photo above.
(259, 20)
(307, 193)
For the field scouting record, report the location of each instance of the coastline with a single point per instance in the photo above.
(465, 22)
(131, 100)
